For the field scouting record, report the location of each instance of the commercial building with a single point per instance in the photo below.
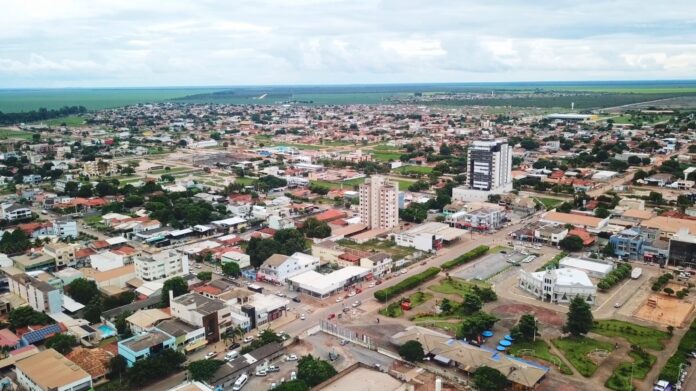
(324, 285)
(278, 267)
(63, 253)
(34, 261)
(488, 171)
(144, 345)
(592, 268)
(428, 236)
(153, 266)
(379, 207)
(241, 259)
(40, 295)
(51, 371)
(558, 285)
(682, 249)
(590, 223)
(65, 228)
(14, 212)
(197, 310)
(481, 216)
(186, 337)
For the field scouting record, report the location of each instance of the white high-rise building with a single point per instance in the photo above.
(488, 171)
(161, 265)
(379, 205)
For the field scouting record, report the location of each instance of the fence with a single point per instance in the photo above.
(347, 334)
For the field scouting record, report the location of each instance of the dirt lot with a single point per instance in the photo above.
(667, 311)
(544, 315)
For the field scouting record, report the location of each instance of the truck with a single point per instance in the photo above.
(662, 385)
(636, 273)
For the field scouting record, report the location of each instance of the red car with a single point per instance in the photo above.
(331, 316)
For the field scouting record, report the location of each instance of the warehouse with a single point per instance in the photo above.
(593, 269)
(324, 285)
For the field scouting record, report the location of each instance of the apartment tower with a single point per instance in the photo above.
(379, 206)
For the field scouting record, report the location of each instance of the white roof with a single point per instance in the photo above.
(230, 221)
(325, 283)
(71, 305)
(116, 240)
(567, 277)
(180, 232)
(604, 174)
(583, 264)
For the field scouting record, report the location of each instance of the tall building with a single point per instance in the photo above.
(379, 206)
(488, 171)
(152, 266)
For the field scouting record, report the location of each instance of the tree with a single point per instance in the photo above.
(601, 212)
(261, 249)
(471, 303)
(580, 320)
(290, 241)
(608, 250)
(669, 291)
(204, 370)
(655, 197)
(293, 385)
(473, 325)
(267, 336)
(564, 207)
(62, 343)
(83, 290)
(14, 242)
(412, 351)
(117, 366)
(529, 144)
(489, 379)
(231, 269)
(314, 228)
(122, 326)
(177, 285)
(93, 310)
(446, 306)
(415, 213)
(133, 201)
(71, 188)
(205, 276)
(25, 316)
(155, 367)
(314, 371)
(526, 328)
(571, 243)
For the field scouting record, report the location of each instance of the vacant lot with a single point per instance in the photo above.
(456, 286)
(538, 349)
(9, 133)
(578, 351)
(406, 170)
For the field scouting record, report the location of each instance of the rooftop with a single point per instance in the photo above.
(144, 341)
(51, 370)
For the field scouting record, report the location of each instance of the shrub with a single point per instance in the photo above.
(670, 371)
(409, 283)
(620, 273)
(466, 257)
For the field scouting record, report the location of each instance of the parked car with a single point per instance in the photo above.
(302, 316)
(346, 309)
(210, 355)
(247, 339)
(343, 342)
(272, 368)
(291, 357)
(231, 355)
(261, 373)
(234, 345)
(296, 299)
(356, 303)
(371, 285)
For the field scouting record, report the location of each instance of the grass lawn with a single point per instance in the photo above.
(416, 298)
(172, 170)
(405, 170)
(456, 286)
(549, 203)
(385, 147)
(18, 134)
(576, 351)
(304, 146)
(451, 327)
(539, 349)
(645, 337)
(642, 363)
(348, 185)
(71, 120)
(386, 156)
(245, 181)
(404, 184)
(92, 220)
(498, 249)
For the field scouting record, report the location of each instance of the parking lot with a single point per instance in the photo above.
(489, 265)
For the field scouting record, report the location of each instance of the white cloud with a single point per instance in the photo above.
(179, 42)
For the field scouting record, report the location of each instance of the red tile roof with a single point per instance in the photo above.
(330, 215)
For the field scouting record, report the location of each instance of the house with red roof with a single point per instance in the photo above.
(331, 215)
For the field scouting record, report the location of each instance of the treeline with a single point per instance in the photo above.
(670, 371)
(622, 271)
(409, 283)
(40, 114)
(466, 257)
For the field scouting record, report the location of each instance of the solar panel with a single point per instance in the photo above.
(40, 335)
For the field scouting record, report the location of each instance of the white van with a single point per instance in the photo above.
(231, 355)
(241, 381)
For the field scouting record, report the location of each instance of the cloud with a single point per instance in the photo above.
(179, 42)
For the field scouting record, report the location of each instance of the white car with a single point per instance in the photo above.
(261, 373)
(351, 294)
(340, 299)
(371, 285)
(302, 317)
(247, 339)
(210, 355)
(291, 357)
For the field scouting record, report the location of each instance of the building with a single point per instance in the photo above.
(682, 249)
(145, 345)
(99, 167)
(558, 285)
(241, 259)
(65, 228)
(51, 371)
(63, 253)
(324, 285)
(379, 207)
(186, 337)
(590, 223)
(198, 310)
(550, 233)
(40, 295)
(153, 266)
(481, 216)
(488, 171)
(592, 268)
(14, 212)
(628, 244)
(278, 267)
(428, 236)
(145, 320)
(191, 386)
(34, 261)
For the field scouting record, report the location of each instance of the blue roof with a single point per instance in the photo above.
(41, 334)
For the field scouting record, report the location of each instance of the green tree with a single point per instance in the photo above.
(655, 197)
(71, 188)
(231, 269)
(571, 243)
(293, 385)
(411, 351)
(601, 212)
(25, 316)
(205, 276)
(314, 371)
(526, 328)
(261, 249)
(93, 310)
(204, 370)
(122, 326)
(82, 290)
(472, 326)
(446, 306)
(489, 379)
(177, 285)
(669, 291)
(314, 228)
(471, 303)
(62, 343)
(117, 366)
(580, 320)
(290, 241)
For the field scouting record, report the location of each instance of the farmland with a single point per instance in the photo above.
(14, 134)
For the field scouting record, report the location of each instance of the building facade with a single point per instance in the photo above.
(40, 295)
(489, 171)
(682, 249)
(152, 266)
(379, 207)
(558, 285)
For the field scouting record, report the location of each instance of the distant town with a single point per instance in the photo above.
(405, 245)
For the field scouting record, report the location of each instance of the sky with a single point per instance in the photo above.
(130, 43)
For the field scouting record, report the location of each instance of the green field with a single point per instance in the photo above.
(645, 337)
(347, 185)
(72, 120)
(539, 349)
(245, 181)
(422, 170)
(456, 286)
(394, 310)
(549, 203)
(16, 134)
(576, 350)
